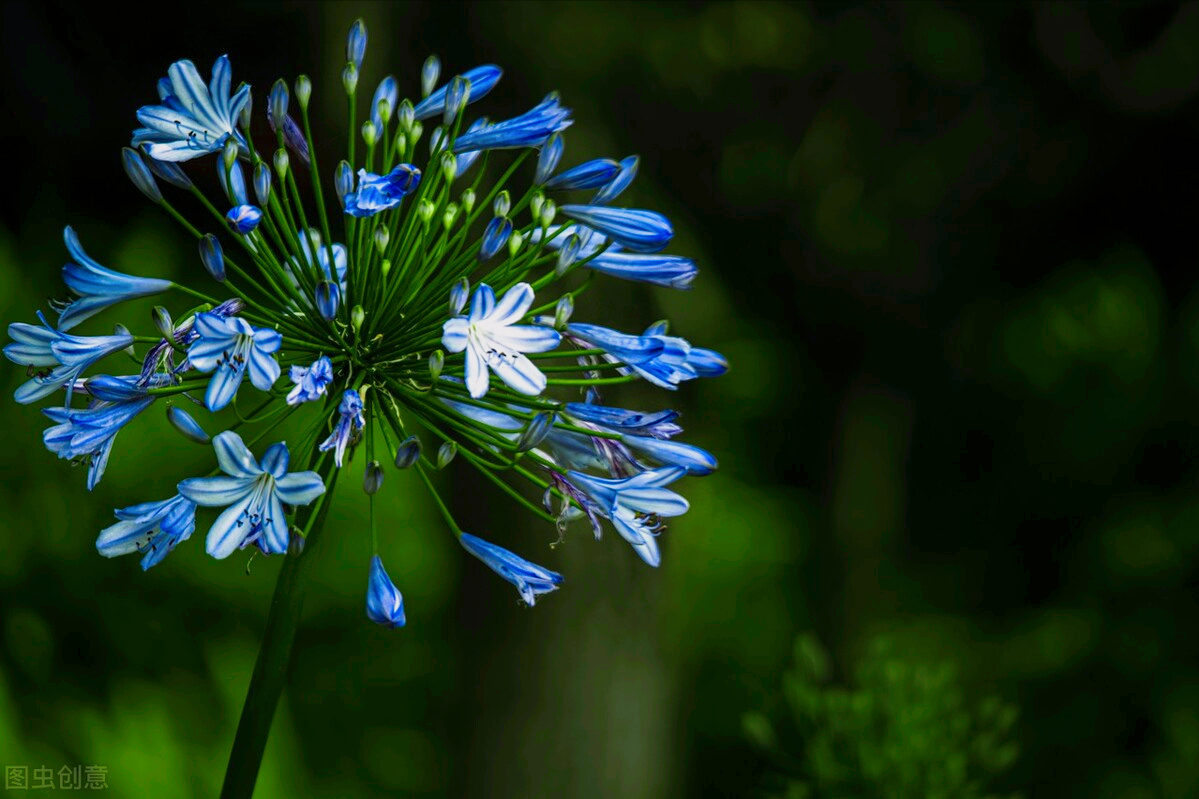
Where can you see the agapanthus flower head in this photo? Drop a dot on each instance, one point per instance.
(391, 290)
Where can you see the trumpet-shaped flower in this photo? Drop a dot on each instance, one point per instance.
(88, 434)
(42, 347)
(482, 80)
(193, 119)
(492, 340)
(529, 578)
(253, 494)
(229, 346)
(531, 129)
(154, 528)
(634, 503)
(96, 286)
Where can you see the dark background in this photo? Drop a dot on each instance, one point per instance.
(949, 251)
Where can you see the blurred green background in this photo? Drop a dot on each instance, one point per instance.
(949, 252)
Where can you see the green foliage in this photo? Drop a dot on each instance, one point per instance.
(906, 731)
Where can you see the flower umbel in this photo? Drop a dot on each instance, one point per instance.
(391, 286)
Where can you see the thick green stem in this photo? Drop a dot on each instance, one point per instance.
(270, 670)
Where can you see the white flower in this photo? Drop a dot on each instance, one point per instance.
(492, 340)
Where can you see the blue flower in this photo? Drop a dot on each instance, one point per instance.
(89, 434)
(41, 347)
(628, 171)
(193, 119)
(588, 175)
(154, 528)
(311, 381)
(663, 360)
(531, 129)
(633, 503)
(529, 578)
(482, 80)
(668, 271)
(254, 493)
(244, 218)
(492, 339)
(634, 229)
(659, 425)
(384, 605)
(98, 287)
(495, 236)
(348, 427)
(381, 192)
(228, 346)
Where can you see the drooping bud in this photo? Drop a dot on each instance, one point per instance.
(182, 421)
(277, 102)
(458, 295)
(169, 171)
(162, 322)
(382, 235)
(282, 162)
(343, 181)
(429, 73)
(568, 253)
(563, 311)
(502, 204)
(262, 183)
(233, 182)
(446, 453)
(495, 236)
(349, 78)
(372, 479)
(408, 452)
(357, 317)
(436, 364)
(303, 91)
(244, 218)
(515, 242)
(535, 431)
(212, 257)
(547, 159)
(328, 297)
(468, 200)
(456, 98)
(140, 174)
(356, 44)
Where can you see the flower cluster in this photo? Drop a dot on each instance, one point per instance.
(426, 304)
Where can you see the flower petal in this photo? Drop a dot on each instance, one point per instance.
(234, 457)
(216, 492)
(229, 529)
(299, 488)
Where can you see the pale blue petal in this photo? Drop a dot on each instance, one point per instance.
(229, 529)
(216, 492)
(299, 488)
(234, 457)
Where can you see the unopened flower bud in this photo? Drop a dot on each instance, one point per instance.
(303, 91)
(408, 452)
(182, 421)
(456, 98)
(372, 479)
(446, 453)
(277, 102)
(429, 74)
(381, 237)
(349, 78)
(458, 295)
(212, 257)
(468, 200)
(140, 174)
(563, 311)
(162, 322)
(535, 431)
(357, 317)
(436, 364)
(282, 162)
